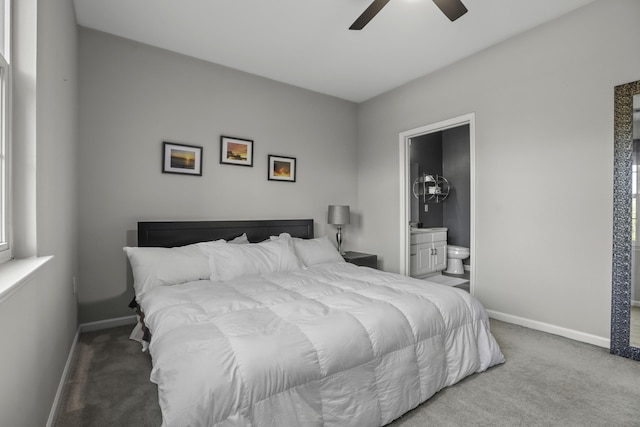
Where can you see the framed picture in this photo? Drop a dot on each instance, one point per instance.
(181, 158)
(282, 168)
(236, 151)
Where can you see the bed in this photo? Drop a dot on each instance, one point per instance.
(259, 323)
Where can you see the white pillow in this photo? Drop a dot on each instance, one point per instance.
(229, 261)
(242, 239)
(314, 251)
(154, 267)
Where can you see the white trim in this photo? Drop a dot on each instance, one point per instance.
(6, 180)
(7, 29)
(53, 413)
(552, 329)
(14, 274)
(108, 323)
(405, 196)
(635, 303)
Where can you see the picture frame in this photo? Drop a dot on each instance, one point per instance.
(236, 151)
(282, 168)
(181, 159)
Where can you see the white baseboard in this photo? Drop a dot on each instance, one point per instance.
(108, 323)
(55, 407)
(635, 303)
(552, 329)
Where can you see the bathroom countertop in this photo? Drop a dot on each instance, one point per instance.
(428, 230)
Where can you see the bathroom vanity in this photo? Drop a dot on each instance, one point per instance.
(428, 251)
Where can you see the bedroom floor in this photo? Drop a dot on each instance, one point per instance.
(546, 380)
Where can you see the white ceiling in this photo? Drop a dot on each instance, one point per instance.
(307, 43)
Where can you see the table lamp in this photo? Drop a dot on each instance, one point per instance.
(339, 215)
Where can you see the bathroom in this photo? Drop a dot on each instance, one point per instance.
(447, 202)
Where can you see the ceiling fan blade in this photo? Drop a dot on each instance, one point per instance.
(454, 9)
(368, 14)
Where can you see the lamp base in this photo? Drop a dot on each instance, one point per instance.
(339, 239)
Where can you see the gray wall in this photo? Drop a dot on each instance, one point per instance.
(426, 150)
(456, 168)
(446, 153)
(38, 321)
(544, 116)
(133, 97)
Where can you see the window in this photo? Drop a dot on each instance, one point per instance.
(5, 229)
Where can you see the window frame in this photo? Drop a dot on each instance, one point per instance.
(6, 230)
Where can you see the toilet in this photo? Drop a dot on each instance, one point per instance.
(455, 255)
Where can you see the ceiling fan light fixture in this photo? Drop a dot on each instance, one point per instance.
(368, 14)
(453, 9)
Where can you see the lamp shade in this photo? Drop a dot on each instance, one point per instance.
(338, 215)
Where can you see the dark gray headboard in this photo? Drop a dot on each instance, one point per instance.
(179, 233)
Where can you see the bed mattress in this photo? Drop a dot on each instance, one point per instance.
(333, 344)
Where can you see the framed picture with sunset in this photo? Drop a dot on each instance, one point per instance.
(282, 168)
(236, 151)
(182, 159)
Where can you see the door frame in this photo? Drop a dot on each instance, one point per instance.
(405, 187)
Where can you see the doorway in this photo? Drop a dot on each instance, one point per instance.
(406, 183)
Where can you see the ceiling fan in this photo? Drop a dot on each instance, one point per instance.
(454, 9)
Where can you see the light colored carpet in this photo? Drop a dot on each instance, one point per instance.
(546, 381)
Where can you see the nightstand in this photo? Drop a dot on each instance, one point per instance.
(361, 259)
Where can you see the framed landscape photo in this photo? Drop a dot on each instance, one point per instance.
(236, 151)
(182, 159)
(282, 168)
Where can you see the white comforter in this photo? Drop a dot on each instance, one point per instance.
(333, 344)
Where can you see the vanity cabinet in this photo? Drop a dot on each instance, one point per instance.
(428, 252)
